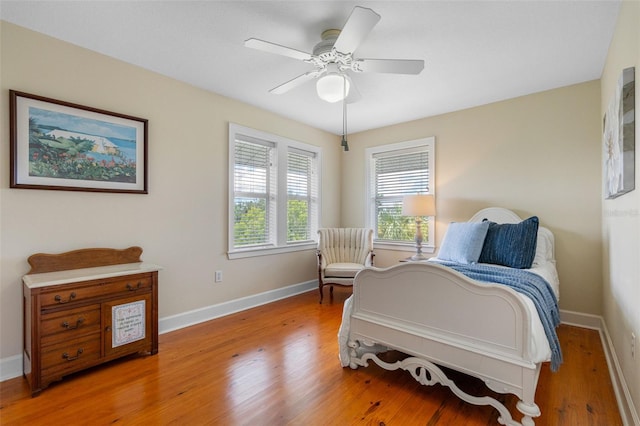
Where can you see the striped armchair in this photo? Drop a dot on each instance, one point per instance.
(342, 253)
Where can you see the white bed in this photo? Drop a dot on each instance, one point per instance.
(439, 317)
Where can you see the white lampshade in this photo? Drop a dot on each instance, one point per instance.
(331, 87)
(419, 205)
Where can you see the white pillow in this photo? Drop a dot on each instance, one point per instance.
(463, 242)
(544, 247)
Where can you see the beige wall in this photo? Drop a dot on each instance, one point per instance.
(621, 217)
(182, 223)
(537, 155)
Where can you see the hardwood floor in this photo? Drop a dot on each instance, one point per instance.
(278, 365)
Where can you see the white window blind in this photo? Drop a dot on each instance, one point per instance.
(301, 195)
(402, 173)
(254, 199)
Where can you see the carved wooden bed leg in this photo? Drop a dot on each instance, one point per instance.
(354, 362)
(529, 410)
(428, 373)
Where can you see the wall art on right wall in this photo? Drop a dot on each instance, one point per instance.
(619, 138)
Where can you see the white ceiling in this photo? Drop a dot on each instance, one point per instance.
(475, 52)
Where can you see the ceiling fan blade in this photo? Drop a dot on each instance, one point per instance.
(394, 66)
(267, 46)
(360, 23)
(292, 84)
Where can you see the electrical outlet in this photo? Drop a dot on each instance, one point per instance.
(633, 345)
(218, 276)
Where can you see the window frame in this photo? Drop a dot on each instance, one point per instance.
(428, 245)
(282, 147)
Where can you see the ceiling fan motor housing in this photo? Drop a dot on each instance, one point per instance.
(324, 48)
(324, 53)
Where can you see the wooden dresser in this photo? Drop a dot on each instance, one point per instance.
(86, 307)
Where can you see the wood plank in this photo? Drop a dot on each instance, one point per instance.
(83, 258)
(278, 364)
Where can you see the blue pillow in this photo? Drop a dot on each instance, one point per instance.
(511, 244)
(463, 242)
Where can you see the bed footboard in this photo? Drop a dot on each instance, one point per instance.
(428, 374)
(439, 317)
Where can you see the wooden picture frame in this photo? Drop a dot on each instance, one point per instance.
(619, 138)
(64, 146)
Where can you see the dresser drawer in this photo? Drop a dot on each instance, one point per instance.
(69, 324)
(65, 294)
(71, 355)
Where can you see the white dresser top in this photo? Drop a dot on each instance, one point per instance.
(74, 275)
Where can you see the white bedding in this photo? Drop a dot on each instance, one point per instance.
(540, 349)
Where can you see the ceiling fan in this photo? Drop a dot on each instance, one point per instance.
(333, 58)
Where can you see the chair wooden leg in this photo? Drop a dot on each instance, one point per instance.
(320, 289)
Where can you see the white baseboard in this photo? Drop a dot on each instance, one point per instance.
(579, 319)
(11, 367)
(628, 411)
(186, 319)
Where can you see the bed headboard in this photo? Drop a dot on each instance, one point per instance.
(546, 240)
(497, 215)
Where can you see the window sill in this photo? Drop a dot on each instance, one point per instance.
(267, 251)
(401, 247)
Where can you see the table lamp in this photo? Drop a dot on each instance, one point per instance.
(419, 205)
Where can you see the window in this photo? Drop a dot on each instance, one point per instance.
(394, 171)
(273, 195)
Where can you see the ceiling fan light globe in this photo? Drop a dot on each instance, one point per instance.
(331, 87)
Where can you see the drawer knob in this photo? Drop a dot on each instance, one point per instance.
(134, 288)
(73, 358)
(72, 327)
(58, 298)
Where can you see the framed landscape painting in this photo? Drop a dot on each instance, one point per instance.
(619, 138)
(64, 146)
